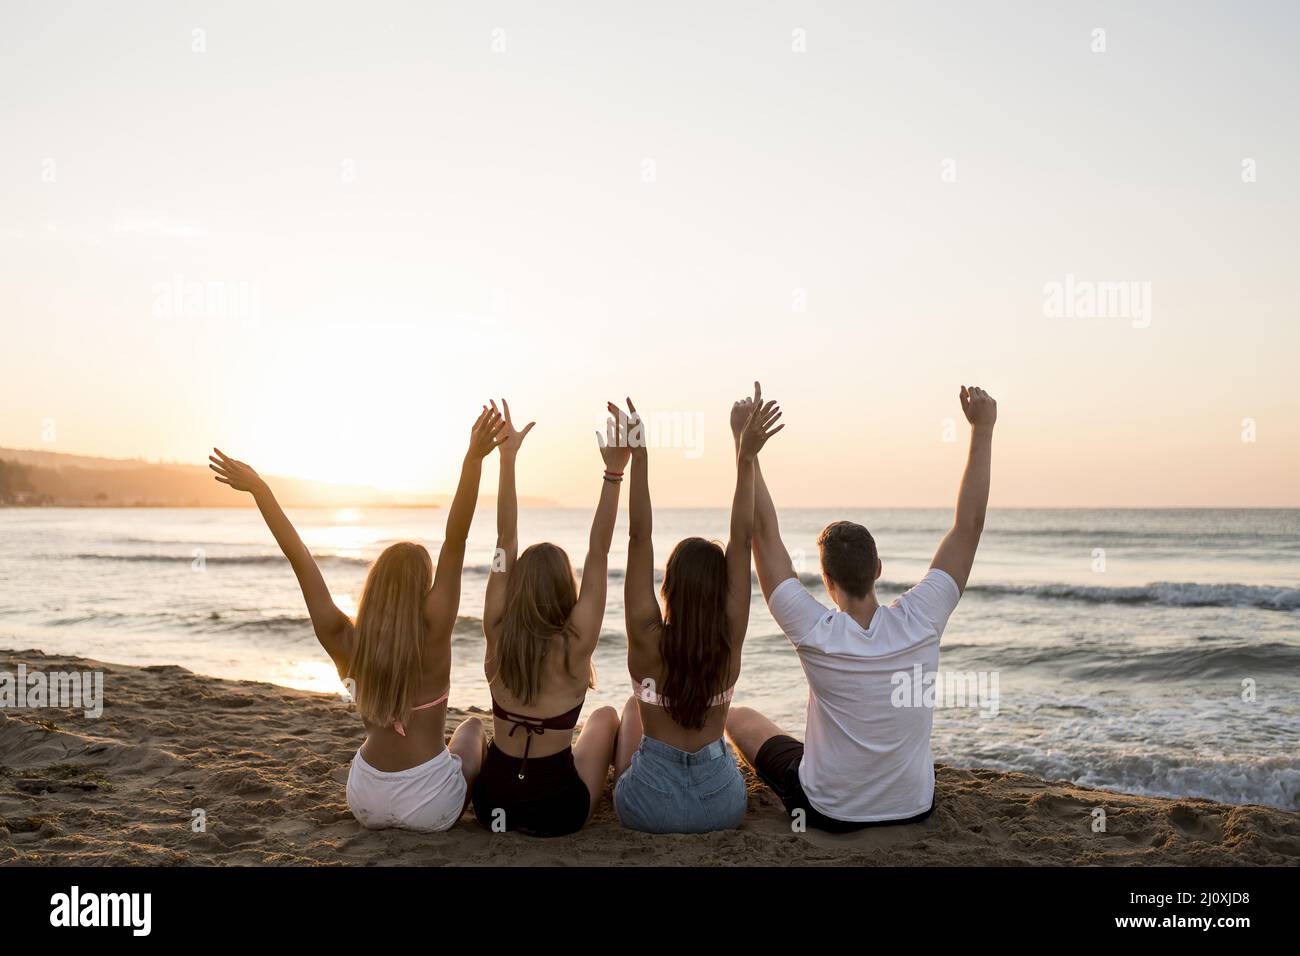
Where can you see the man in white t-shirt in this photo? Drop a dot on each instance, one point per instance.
(866, 761)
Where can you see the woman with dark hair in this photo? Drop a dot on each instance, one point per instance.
(541, 634)
(674, 771)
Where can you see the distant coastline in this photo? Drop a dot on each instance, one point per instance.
(181, 504)
(31, 478)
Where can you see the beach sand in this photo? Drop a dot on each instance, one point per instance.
(268, 767)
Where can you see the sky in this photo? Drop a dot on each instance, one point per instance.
(322, 235)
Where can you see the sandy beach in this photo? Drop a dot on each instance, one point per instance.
(267, 765)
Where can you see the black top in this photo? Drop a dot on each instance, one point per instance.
(535, 725)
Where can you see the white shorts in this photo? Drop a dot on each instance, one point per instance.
(429, 796)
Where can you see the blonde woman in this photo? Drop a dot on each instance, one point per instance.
(396, 655)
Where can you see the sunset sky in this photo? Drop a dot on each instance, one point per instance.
(321, 235)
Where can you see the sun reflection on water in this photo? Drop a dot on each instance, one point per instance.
(314, 675)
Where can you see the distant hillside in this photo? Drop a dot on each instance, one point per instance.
(48, 478)
(30, 477)
(33, 478)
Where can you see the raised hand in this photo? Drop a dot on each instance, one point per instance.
(740, 412)
(487, 432)
(978, 406)
(234, 473)
(614, 445)
(512, 438)
(632, 428)
(758, 426)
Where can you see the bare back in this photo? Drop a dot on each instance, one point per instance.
(387, 750)
(646, 664)
(560, 691)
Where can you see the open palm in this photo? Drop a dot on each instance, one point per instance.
(511, 438)
(234, 473)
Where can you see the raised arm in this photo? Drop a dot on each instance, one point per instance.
(956, 552)
(442, 602)
(590, 610)
(640, 606)
(759, 426)
(771, 558)
(503, 559)
(330, 624)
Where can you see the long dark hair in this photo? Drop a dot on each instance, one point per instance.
(540, 596)
(696, 646)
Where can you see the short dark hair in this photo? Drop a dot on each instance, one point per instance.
(849, 557)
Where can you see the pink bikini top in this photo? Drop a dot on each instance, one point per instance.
(648, 695)
(397, 724)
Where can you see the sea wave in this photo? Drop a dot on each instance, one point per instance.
(290, 623)
(1159, 593)
(213, 622)
(1094, 662)
(248, 559)
(346, 560)
(1270, 781)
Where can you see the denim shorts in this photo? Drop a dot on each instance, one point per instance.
(666, 790)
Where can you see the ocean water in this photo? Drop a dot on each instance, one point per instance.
(1155, 652)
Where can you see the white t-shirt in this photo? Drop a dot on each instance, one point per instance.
(866, 759)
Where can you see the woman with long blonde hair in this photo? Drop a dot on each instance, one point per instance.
(396, 655)
(541, 633)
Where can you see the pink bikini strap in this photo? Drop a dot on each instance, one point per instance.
(434, 703)
(397, 724)
(655, 699)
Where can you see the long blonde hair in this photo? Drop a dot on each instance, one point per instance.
(540, 596)
(388, 656)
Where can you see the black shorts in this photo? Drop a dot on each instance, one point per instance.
(551, 800)
(777, 765)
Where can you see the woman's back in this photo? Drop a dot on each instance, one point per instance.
(560, 691)
(423, 735)
(650, 677)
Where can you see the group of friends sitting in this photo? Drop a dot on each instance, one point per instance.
(863, 760)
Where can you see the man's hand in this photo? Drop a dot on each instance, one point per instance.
(758, 426)
(978, 406)
(740, 412)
